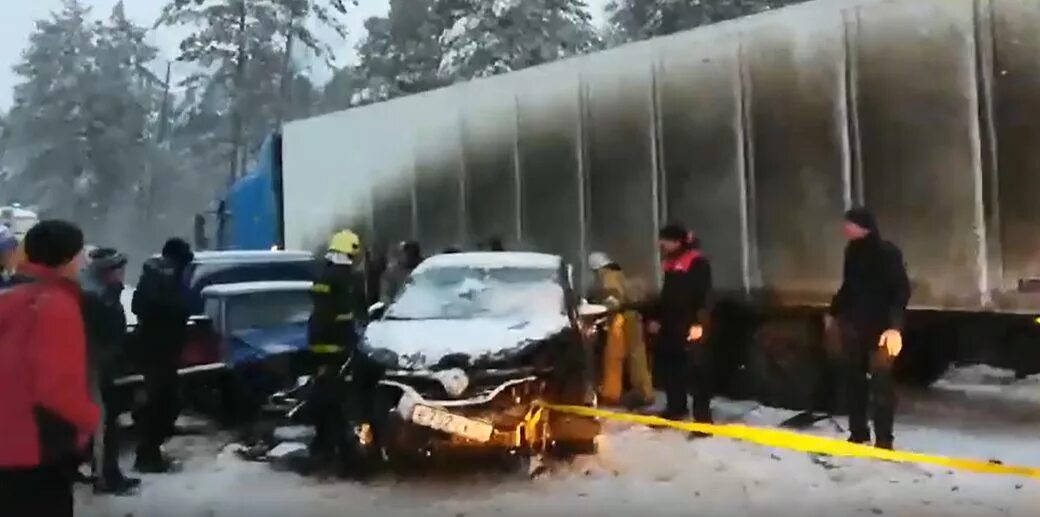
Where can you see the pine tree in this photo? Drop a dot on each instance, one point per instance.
(245, 48)
(642, 19)
(339, 92)
(78, 137)
(489, 37)
(124, 107)
(47, 147)
(401, 53)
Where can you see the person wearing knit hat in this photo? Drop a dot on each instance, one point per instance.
(868, 313)
(105, 321)
(56, 245)
(48, 413)
(679, 318)
(161, 303)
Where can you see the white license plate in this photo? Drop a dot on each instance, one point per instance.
(453, 424)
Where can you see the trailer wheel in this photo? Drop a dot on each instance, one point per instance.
(926, 357)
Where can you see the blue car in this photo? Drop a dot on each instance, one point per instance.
(258, 321)
(232, 267)
(249, 316)
(253, 337)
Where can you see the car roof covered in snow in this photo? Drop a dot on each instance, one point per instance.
(491, 260)
(243, 288)
(219, 257)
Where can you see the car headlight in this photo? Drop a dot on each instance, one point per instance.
(455, 381)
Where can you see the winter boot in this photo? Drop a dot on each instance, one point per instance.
(859, 440)
(154, 462)
(634, 401)
(117, 485)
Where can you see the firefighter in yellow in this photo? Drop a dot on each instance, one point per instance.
(625, 347)
(339, 308)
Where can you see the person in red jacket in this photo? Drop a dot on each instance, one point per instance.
(46, 411)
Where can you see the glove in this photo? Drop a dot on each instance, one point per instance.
(695, 334)
(892, 342)
(653, 328)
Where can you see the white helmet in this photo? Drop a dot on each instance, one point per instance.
(599, 260)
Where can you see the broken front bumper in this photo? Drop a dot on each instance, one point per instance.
(503, 416)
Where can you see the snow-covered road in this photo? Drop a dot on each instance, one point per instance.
(655, 472)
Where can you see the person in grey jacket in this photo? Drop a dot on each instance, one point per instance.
(407, 258)
(105, 325)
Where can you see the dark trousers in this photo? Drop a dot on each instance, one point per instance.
(160, 413)
(861, 357)
(325, 405)
(37, 492)
(686, 371)
(107, 441)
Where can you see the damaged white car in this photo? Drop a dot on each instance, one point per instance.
(465, 354)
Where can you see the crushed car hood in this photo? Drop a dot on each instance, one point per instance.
(422, 344)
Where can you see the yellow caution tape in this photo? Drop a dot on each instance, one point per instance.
(802, 442)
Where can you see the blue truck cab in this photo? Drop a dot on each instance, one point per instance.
(249, 215)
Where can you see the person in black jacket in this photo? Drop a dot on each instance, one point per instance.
(333, 331)
(105, 324)
(869, 310)
(678, 319)
(161, 304)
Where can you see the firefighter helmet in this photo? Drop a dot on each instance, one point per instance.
(345, 242)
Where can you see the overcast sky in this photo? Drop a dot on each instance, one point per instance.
(19, 16)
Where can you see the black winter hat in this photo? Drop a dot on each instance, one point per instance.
(863, 218)
(673, 232)
(53, 243)
(106, 259)
(178, 251)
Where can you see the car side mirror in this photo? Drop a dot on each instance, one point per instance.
(592, 310)
(376, 310)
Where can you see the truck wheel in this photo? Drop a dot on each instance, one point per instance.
(926, 356)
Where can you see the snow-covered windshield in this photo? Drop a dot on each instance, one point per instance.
(267, 309)
(468, 292)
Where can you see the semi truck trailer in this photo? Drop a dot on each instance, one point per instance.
(758, 134)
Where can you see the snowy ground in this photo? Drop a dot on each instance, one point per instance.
(657, 472)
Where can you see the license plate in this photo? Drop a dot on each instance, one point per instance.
(453, 424)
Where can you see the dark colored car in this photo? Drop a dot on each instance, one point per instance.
(242, 301)
(466, 350)
(256, 332)
(233, 267)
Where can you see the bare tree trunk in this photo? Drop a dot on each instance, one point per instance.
(238, 84)
(160, 137)
(285, 98)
